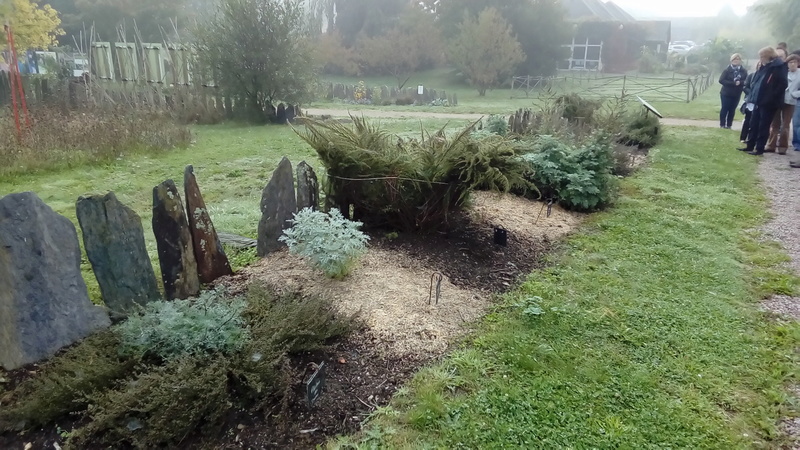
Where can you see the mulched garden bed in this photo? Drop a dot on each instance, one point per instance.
(362, 373)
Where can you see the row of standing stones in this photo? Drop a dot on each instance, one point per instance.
(44, 301)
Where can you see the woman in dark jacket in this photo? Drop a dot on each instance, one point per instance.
(732, 81)
(769, 88)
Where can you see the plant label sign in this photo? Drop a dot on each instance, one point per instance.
(420, 90)
(315, 384)
(649, 107)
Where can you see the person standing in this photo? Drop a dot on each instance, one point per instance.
(779, 129)
(748, 105)
(769, 88)
(732, 81)
(795, 155)
(779, 136)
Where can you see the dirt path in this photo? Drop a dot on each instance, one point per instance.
(388, 114)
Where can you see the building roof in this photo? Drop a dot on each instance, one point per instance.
(596, 10)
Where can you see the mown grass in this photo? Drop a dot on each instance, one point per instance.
(644, 334)
(232, 163)
(504, 100)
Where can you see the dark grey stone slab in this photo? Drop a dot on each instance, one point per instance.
(44, 304)
(278, 205)
(175, 251)
(307, 187)
(114, 241)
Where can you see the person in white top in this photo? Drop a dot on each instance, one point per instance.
(779, 134)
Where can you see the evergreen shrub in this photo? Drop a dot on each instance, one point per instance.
(642, 130)
(580, 178)
(211, 323)
(410, 184)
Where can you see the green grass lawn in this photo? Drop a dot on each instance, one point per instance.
(644, 333)
(662, 92)
(705, 107)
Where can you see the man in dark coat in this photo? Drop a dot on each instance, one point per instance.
(769, 88)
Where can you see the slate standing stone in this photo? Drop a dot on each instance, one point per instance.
(175, 252)
(44, 304)
(212, 262)
(307, 187)
(280, 114)
(292, 111)
(114, 241)
(278, 204)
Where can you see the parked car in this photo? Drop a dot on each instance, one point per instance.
(679, 49)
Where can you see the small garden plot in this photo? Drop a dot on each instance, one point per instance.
(393, 288)
(242, 381)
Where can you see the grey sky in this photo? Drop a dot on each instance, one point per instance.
(681, 8)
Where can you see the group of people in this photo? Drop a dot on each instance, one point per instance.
(771, 92)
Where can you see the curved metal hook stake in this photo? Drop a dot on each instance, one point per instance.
(436, 278)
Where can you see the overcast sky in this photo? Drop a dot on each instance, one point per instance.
(681, 8)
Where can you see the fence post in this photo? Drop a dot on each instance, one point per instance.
(688, 90)
(624, 82)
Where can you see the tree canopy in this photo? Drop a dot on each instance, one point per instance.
(784, 18)
(153, 18)
(485, 50)
(33, 26)
(257, 52)
(539, 26)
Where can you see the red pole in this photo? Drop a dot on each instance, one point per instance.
(19, 79)
(13, 68)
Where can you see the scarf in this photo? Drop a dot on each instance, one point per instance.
(737, 72)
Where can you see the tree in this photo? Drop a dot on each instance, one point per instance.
(414, 43)
(257, 52)
(33, 26)
(366, 17)
(539, 26)
(333, 57)
(485, 50)
(153, 18)
(784, 17)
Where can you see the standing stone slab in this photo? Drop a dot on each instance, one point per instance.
(278, 204)
(114, 241)
(212, 262)
(44, 304)
(307, 187)
(175, 252)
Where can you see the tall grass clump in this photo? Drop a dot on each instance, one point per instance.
(58, 139)
(409, 184)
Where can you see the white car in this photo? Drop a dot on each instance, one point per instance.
(679, 49)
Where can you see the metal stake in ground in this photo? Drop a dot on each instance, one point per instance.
(436, 281)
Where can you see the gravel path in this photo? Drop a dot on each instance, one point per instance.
(783, 189)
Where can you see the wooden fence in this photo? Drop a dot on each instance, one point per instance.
(191, 103)
(385, 95)
(601, 86)
(662, 89)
